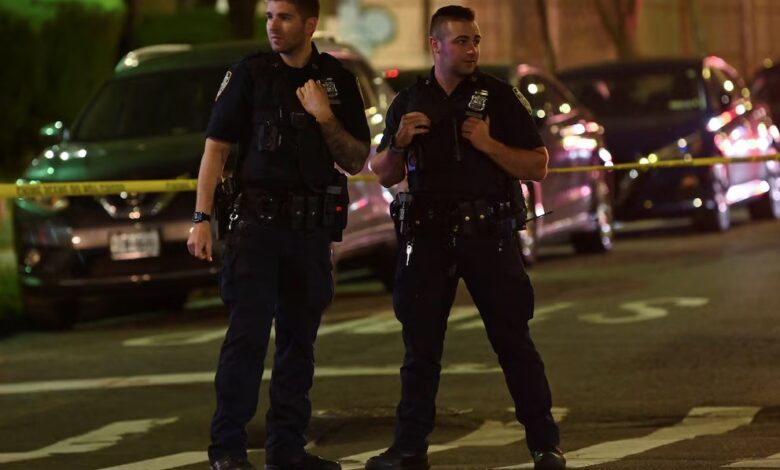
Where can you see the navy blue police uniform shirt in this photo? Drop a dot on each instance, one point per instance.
(231, 116)
(511, 122)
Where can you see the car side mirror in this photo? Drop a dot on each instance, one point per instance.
(53, 133)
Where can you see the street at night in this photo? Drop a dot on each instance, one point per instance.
(661, 355)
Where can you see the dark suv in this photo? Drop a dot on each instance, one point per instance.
(148, 122)
(682, 109)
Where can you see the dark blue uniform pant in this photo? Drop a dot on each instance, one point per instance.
(270, 273)
(424, 292)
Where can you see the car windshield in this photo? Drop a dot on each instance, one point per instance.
(152, 105)
(639, 92)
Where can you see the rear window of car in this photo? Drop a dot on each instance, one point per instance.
(160, 104)
(639, 92)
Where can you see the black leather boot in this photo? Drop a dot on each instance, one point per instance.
(393, 459)
(549, 460)
(305, 461)
(232, 463)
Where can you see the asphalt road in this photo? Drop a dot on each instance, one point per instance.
(664, 354)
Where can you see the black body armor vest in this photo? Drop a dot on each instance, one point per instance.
(442, 162)
(287, 151)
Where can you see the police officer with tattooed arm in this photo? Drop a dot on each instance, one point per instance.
(294, 112)
(462, 140)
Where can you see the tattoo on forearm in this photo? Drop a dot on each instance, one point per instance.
(347, 151)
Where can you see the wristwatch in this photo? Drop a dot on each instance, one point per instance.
(394, 148)
(199, 217)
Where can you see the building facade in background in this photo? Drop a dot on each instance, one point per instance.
(393, 33)
(741, 31)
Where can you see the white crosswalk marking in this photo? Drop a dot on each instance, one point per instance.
(92, 441)
(699, 422)
(490, 434)
(704, 421)
(773, 461)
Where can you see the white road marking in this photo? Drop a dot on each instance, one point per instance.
(643, 310)
(699, 422)
(773, 461)
(383, 322)
(490, 434)
(92, 441)
(172, 461)
(181, 338)
(208, 377)
(540, 314)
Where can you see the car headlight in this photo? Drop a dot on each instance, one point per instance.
(44, 204)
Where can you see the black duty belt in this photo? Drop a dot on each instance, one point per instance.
(298, 211)
(415, 214)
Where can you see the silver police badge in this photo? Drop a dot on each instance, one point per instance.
(478, 104)
(330, 88)
(478, 101)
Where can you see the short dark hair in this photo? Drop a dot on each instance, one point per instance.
(448, 13)
(306, 8)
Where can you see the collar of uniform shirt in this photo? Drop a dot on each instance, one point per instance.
(476, 77)
(314, 60)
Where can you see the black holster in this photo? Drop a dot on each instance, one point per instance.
(518, 211)
(400, 212)
(335, 207)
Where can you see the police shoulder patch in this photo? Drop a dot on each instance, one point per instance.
(523, 100)
(224, 84)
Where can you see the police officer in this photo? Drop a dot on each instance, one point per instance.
(462, 139)
(294, 113)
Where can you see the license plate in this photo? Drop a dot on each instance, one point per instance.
(135, 245)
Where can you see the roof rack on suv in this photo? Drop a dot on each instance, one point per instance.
(135, 57)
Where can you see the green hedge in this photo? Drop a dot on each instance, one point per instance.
(60, 51)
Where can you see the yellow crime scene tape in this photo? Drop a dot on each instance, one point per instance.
(100, 188)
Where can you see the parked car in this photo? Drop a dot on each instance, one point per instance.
(578, 205)
(148, 122)
(682, 109)
(400, 79)
(766, 88)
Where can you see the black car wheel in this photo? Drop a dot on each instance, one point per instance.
(48, 314)
(715, 214)
(600, 239)
(768, 207)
